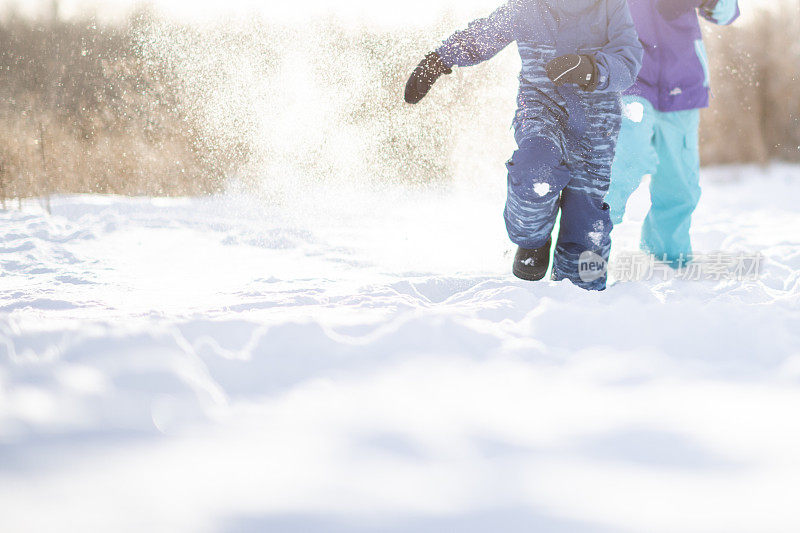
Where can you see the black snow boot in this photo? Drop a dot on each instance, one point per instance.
(531, 265)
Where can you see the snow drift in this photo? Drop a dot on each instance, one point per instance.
(363, 361)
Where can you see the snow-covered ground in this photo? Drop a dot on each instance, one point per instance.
(365, 362)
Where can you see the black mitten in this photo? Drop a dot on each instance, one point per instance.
(424, 76)
(580, 70)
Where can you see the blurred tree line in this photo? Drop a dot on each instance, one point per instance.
(82, 109)
(157, 108)
(755, 70)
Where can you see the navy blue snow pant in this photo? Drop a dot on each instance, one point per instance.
(566, 139)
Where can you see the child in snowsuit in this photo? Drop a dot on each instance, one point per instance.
(659, 131)
(577, 57)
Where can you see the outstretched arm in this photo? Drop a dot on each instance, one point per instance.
(483, 39)
(619, 61)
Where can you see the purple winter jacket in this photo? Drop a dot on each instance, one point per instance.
(674, 74)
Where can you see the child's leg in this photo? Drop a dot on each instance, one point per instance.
(584, 242)
(585, 231)
(675, 187)
(635, 155)
(536, 176)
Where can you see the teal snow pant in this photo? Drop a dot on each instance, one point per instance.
(664, 145)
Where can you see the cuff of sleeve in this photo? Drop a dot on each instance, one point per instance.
(448, 54)
(720, 11)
